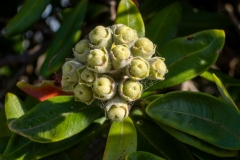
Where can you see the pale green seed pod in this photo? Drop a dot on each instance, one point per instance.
(86, 76)
(130, 90)
(138, 69)
(123, 34)
(120, 56)
(98, 61)
(83, 93)
(157, 68)
(81, 50)
(70, 68)
(104, 88)
(67, 85)
(116, 109)
(101, 37)
(144, 48)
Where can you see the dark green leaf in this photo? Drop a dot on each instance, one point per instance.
(55, 119)
(153, 139)
(65, 38)
(3, 143)
(129, 15)
(122, 140)
(226, 80)
(163, 27)
(27, 16)
(200, 115)
(4, 131)
(142, 156)
(189, 56)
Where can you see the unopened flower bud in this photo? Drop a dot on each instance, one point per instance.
(82, 50)
(67, 85)
(144, 48)
(116, 109)
(138, 69)
(98, 61)
(101, 37)
(130, 90)
(70, 68)
(120, 56)
(157, 68)
(123, 34)
(86, 76)
(83, 93)
(104, 88)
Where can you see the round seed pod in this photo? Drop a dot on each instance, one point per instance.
(83, 93)
(130, 90)
(82, 50)
(67, 85)
(101, 37)
(116, 109)
(70, 68)
(120, 56)
(123, 34)
(104, 88)
(98, 61)
(138, 69)
(86, 76)
(157, 68)
(144, 48)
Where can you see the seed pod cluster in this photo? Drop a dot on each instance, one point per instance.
(109, 65)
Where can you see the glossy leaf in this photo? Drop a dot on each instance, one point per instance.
(23, 148)
(153, 139)
(224, 93)
(200, 115)
(30, 12)
(122, 140)
(198, 143)
(128, 14)
(164, 25)
(226, 80)
(4, 131)
(142, 155)
(65, 39)
(189, 56)
(43, 91)
(55, 119)
(14, 107)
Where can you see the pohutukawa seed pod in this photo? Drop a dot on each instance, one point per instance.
(144, 48)
(98, 61)
(83, 93)
(82, 50)
(101, 37)
(138, 69)
(157, 68)
(122, 34)
(67, 85)
(86, 76)
(70, 68)
(120, 56)
(104, 88)
(116, 109)
(130, 90)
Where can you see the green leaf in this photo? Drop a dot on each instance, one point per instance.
(2, 157)
(59, 156)
(153, 139)
(3, 143)
(200, 115)
(227, 80)
(26, 17)
(23, 148)
(122, 140)
(14, 107)
(140, 155)
(189, 56)
(55, 119)
(65, 38)
(224, 93)
(128, 14)
(5, 132)
(198, 143)
(164, 26)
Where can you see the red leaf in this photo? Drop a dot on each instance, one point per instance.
(43, 91)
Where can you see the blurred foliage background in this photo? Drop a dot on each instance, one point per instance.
(38, 50)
